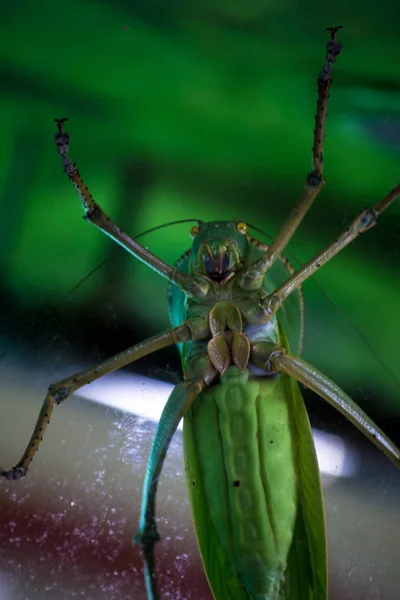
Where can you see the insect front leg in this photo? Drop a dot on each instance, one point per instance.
(314, 181)
(199, 373)
(93, 213)
(58, 392)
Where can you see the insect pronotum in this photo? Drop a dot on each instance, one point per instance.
(236, 315)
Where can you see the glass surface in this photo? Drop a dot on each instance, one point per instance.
(179, 110)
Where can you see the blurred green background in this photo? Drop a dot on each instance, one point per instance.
(195, 109)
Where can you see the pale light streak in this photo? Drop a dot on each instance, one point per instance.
(146, 397)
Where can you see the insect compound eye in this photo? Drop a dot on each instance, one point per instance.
(241, 227)
(194, 231)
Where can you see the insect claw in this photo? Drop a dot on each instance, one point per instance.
(62, 138)
(60, 122)
(13, 475)
(334, 30)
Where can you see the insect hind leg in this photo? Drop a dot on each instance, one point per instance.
(183, 395)
(199, 372)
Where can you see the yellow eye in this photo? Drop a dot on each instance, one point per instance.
(194, 231)
(241, 227)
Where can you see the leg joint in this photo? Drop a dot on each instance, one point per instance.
(57, 394)
(314, 180)
(263, 354)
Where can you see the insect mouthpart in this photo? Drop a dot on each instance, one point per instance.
(218, 267)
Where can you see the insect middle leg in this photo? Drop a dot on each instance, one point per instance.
(58, 392)
(365, 221)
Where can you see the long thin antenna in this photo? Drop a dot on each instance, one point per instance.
(44, 324)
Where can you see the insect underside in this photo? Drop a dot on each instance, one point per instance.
(236, 311)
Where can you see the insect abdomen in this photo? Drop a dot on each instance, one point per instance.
(242, 479)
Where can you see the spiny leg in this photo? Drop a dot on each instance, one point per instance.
(365, 221)
(314, 181)
(178, 403)
(59, 392)
(199, 372)
(299, 369)
(273, 358)
(98, 217)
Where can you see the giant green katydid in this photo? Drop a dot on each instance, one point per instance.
(252, 474)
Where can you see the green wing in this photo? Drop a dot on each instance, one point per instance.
(218, 567)
(305, 569)
(306, 572)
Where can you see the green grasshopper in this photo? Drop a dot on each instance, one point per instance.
(237, 315)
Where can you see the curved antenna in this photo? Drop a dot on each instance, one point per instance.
(198, 221)
(341, 314)
(135, 237)
(45, 323)
(260, 231)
